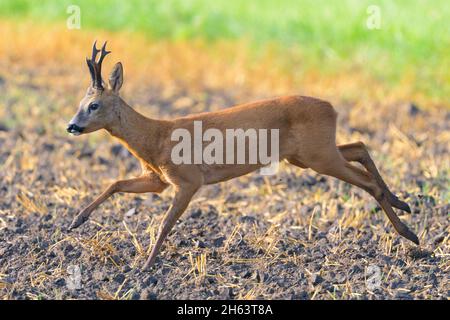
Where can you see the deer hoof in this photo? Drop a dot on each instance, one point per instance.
(408, 234)
(77, 221)
(397, 203)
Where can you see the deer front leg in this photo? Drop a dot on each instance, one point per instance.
(145, 183)
(182, 198)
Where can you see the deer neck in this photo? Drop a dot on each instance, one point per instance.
(139, 134)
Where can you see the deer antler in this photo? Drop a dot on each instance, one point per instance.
(95, 68)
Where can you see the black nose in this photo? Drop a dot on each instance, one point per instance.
(69, 128)
(74, 128)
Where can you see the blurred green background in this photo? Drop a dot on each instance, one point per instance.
(414, 38)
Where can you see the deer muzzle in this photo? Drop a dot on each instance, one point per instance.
(74, 129)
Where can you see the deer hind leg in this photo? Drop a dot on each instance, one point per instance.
(335, 165)
(145, 183)
(358, 152)
(297, 163)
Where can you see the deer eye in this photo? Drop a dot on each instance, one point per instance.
(93, 106)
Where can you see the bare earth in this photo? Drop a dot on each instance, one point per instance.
(296, 235)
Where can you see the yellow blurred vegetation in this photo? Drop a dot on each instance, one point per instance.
(223, 64)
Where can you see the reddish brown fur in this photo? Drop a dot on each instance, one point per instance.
(307, 139)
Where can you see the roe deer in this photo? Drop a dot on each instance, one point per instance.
(307, 128)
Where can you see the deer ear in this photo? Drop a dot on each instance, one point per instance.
(116, 77)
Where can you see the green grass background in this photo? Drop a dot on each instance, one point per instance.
(414, 37)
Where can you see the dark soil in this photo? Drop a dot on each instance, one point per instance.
(296, 235)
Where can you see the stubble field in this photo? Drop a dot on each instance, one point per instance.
(295, 235)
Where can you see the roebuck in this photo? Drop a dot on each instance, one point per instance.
(307, 128)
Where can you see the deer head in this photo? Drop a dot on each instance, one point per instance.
(99, 107)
